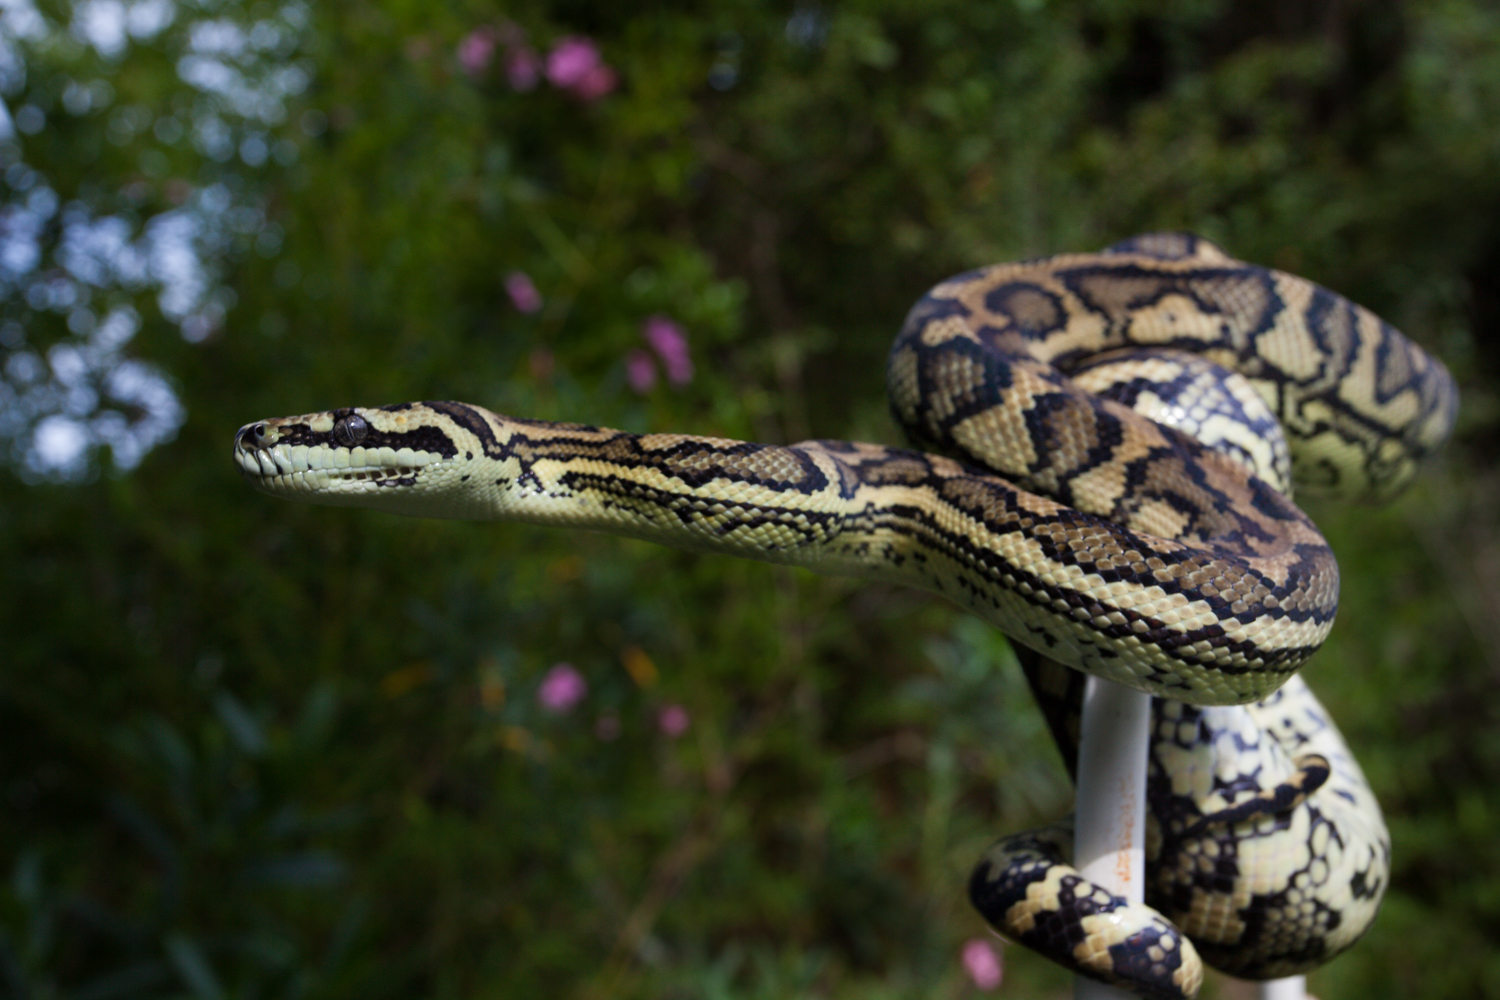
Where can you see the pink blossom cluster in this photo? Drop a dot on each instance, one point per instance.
(673, 720)
(522, 292)
(669, 342)
(477, 49)
(982, 963)
(573, 64)
(562, 689)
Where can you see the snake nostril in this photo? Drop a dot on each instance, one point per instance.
(251, 435)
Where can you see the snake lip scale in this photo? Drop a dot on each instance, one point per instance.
(1109, 445)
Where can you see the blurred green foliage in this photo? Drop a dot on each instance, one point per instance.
(252, 749)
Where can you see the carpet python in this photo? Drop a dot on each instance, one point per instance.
(1108, 445)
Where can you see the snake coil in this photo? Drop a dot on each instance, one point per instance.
(1109, 446)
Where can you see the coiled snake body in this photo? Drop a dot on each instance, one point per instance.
(1098, 538)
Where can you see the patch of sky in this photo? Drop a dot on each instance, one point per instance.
(64, 402)
(57, 410)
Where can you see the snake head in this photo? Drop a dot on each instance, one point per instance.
(383, 458)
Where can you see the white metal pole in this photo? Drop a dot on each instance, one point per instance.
(1109, 840)
(1290, 988)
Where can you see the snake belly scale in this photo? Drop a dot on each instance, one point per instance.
(1095, 536)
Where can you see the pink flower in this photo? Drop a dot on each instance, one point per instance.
(596, 83)
(561, 689)
(571, 59)
(523, 68)
(670, 344)
(640, 371)
(983, 963)
(673, 720)
(522, 292)
(574, 65)
(476, 50)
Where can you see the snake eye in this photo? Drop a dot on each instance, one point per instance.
(351, 430)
